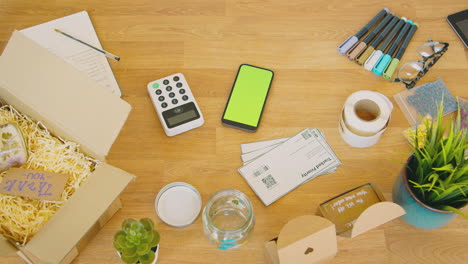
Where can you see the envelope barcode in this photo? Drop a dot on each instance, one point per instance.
(306, 134)
(260, 170)
(269, 181)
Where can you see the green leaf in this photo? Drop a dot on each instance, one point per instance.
(448, 167)
(117, 246)
(455, 210)
(434, 178)
(448, 195)
(147, 223)
(421, 189)
(448, 180)
(147, 258)
(129, 251)
(461, 200)
(444, 153)
(156, 239)
(461, 174)
(129, 244)
(148, 237)
(462, 190)
(137, 227)
(119, 240)
(143, 249)
(129, 260)
(144, 234)
(126, 225)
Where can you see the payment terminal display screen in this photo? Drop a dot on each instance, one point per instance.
(248, 96)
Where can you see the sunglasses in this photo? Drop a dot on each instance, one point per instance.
(411, 72)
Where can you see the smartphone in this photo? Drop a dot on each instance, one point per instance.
(459, 23)
(248, 96)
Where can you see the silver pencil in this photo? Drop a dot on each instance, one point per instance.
(108, 54)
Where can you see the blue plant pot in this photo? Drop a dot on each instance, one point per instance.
(417, 213)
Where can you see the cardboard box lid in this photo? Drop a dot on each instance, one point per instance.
(271, 252)
(65, 229)
(46, 88)
(374, 216)
(307, 239)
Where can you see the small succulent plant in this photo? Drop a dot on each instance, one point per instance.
(135, 240)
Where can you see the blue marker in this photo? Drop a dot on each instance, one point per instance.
(384, 60)
(377, 53)
(388, 72)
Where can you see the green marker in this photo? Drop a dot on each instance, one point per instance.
(388, 73)
(385, 59)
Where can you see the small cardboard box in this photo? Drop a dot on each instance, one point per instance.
(360, 209)
(303, 240)
(72, 106)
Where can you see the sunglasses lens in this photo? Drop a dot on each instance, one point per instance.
(410, 70)
(430, 48)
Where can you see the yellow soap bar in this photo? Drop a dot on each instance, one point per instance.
(13, 151)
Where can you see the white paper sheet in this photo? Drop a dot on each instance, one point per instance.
(82, 57)
(252, 146)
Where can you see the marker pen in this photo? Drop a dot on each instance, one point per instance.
(363, 57)
(377, 55)
(349, 42)
(358, 49)
(386, 58)
(387, 74)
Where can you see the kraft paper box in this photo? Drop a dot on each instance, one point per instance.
(303, 240)
(72, 106)
(359, 210)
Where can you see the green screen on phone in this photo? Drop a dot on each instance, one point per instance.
(248, 95)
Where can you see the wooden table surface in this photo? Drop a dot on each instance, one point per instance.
(207, 40)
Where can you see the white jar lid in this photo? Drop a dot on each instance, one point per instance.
(178, 204)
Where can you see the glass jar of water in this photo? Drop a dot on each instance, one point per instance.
(228, 219)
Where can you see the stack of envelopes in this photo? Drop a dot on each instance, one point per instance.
(275, 167)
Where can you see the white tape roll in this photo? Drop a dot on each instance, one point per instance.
(356, 140)
(367, 112)
(364, 118)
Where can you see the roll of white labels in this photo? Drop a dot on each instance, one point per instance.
(364, 118)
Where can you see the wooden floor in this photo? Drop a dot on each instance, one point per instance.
(207, 40)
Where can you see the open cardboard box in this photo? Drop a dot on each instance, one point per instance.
(72, 106)
(365, 218)
(312, 239)
(303, 240)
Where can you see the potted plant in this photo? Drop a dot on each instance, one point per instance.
(433, 184)
(137, 242)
